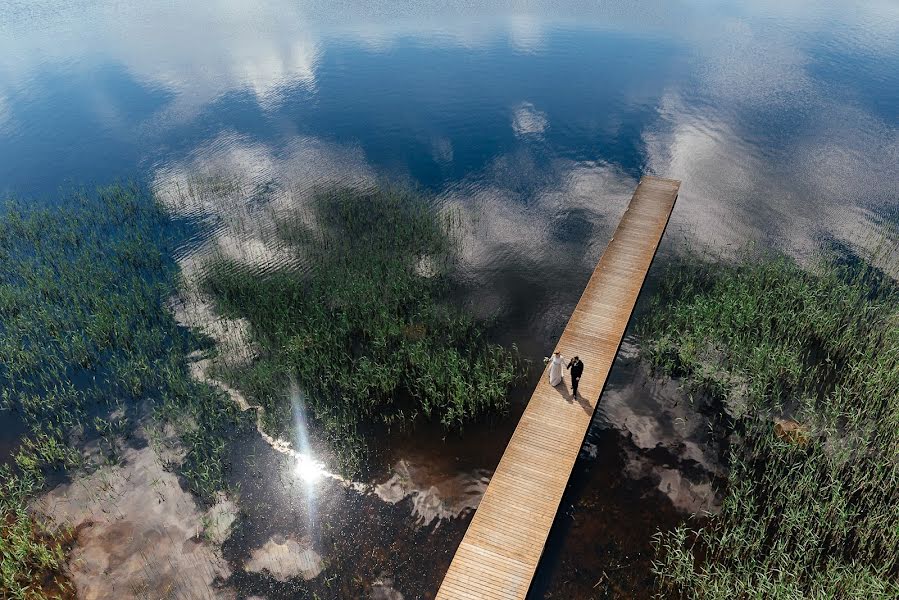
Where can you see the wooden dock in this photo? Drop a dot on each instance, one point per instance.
(499, 553)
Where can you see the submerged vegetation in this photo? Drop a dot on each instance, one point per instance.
(90, 348)
(87, 347)
(361, 319)
(814, 513)
(32, 553)
(366, 328)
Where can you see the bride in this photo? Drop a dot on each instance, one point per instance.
(555, 368)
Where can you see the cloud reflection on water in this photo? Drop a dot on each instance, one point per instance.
(749, 62)
(197, 51)
(768, 148)
(528, 121)
(825, 184)
(200, 52)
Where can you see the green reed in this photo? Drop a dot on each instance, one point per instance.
(87, 347)
(368, 327)
(810, 518)
(31, 554)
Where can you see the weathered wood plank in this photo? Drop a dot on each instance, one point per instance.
(500, 551)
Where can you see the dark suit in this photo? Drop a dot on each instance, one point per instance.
(577, 369)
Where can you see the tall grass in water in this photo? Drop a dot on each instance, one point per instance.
(85, 345)
(367, 329)
(31, 554)
(815, 514)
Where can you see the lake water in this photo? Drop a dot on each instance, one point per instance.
(781, 119)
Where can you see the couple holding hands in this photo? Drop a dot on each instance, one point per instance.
(555, 370)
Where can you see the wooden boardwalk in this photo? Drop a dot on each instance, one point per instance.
(500, 550)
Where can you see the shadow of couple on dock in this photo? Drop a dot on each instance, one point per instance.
(570, 398)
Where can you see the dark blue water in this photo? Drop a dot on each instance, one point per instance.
(433, 113)
(781, 118)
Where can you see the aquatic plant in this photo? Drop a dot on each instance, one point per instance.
(809, 511)
(366, 326)
(88, 347)
(31, 554)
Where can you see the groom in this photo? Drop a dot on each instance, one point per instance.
(577, 369)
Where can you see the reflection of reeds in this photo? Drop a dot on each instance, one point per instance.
(812, 515)
(366, 327)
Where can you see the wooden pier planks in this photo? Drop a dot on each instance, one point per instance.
(500, 551)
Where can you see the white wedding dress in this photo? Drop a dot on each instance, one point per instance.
(555, 370)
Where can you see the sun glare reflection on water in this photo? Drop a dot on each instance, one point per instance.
(307, 467)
